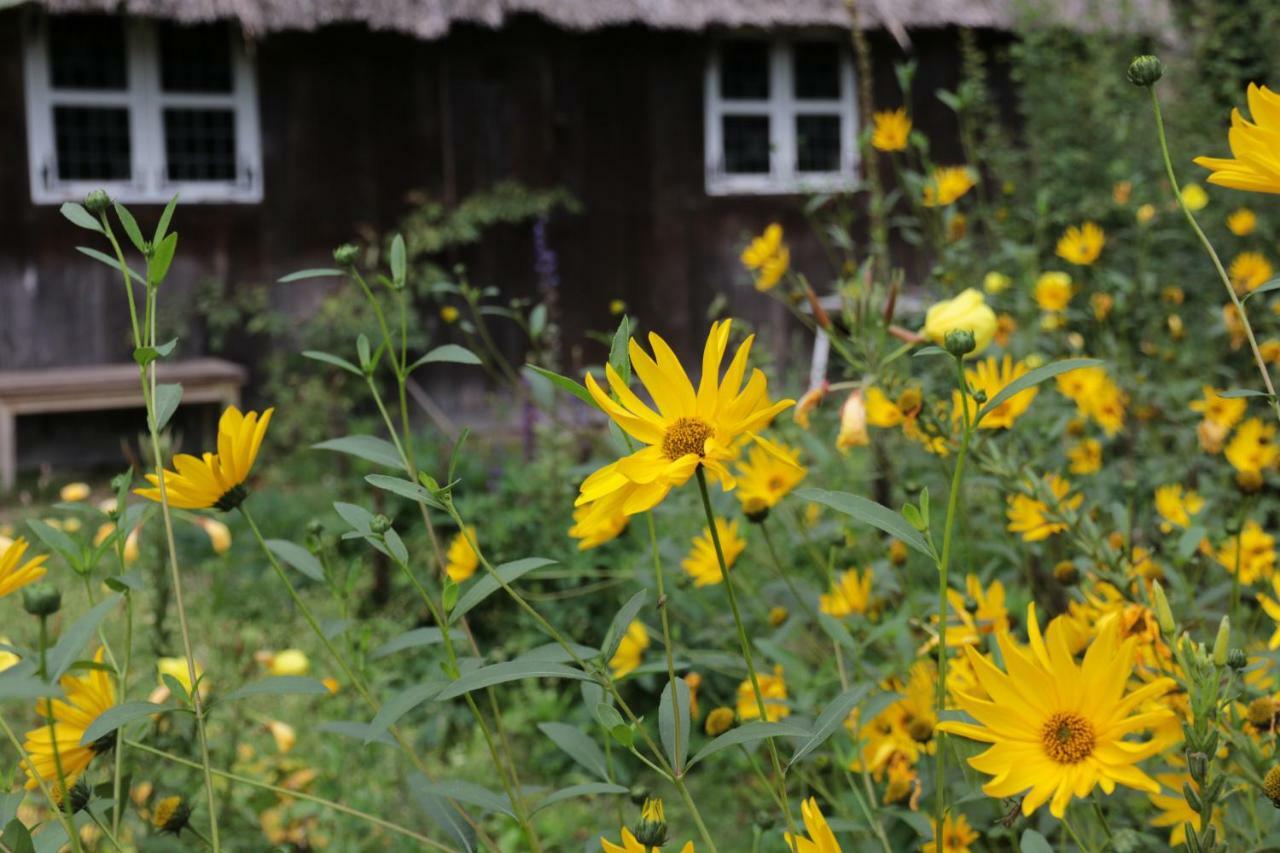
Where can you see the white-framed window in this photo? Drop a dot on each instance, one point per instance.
(142, 109)
(781, 116)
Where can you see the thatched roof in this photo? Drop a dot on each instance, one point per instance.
(432, 18)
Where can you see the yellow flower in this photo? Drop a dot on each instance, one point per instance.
(1121, 192)
(1269, 604)
(1194, 196)
(1053, 291)
(1242, 222)
(767, 476)
(702, 564)
(219, 534)
(774, 690)
(73, 492)
(980, 612)
(768, 257)
(719, 721)
(1252, 449)
(598, 523)
(15, 574)
(1175, 811)
(1223, 411)
(777, 615)
(903, 732)
(617, 306)
(957, 835)
(1085, 456)
(990, 377)
(1027, 515)
(1173, 295)
(450, 314)
(217, 479)
(690, 429)
(821, 839)
(946, 185)
(1145, 213)
(1254, 164)
(283, 734)
(1096, 396)
(996, 282)
(1270, 350)
(891, 130)
(176, 668)
(87, 697)
(630, 649)
(968, 310)
(1174, 322)
(1256, 553)
(462, 560)
(289, 662)
(171, 815)
(850, 593)
(630, 845)
(1081, 244)
(1249, 271)
(853, 422)
(1176, 507)
(7, 658)
(1058, 729)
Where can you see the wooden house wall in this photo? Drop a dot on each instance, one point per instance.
(352, 120)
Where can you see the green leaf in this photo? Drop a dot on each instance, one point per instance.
(621, 621)
(869, 512)
(162, 227)
(928, 351)
(298, 557)
(451, 353)
(354, 729)
(58, 541)
(1033, 378)
(667, 723)
(357, 516)
(442, 812)
(162, 258)
(832, 718)
(408, 640)
(73, 640)
(120, 715)
(471, 794)
(312, 273)
(398, 260)
(282, 685)
(336, 361)
(404, 489)
(366, 447)
(77, 215)
(1190, 541)
(168, 397)
(487, 585)
(1269, 287)
(111, 262)
(145, 355)
(16, 838)
(619, 353)
(749, 733)
(26, 687)
(1242, 392)
(577, 746)
(583, 790)
(564, 383)
(130, 227)
(399, 705)
(501, 673)
(1034, 842)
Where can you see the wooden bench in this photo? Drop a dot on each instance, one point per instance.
(102, 386)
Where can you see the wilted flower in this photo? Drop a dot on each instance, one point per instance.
(1102, 303)
(853, 422)
(809, 401)
(219, 534)
(1121, 191)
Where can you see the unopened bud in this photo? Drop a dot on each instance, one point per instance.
(1198, 766)
(960, 342)
(1237, 659)
(41, 599)
(346, 254)
(1145, 70)
(651, 831)
(1164, 616)
(97, 202)
(1222, 643)
(171, 815)
(379, 524)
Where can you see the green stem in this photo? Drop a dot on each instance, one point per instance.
(298, 795)
(745, 643)
(122, 690)
(63, 788)
(1213, 255)
(63, 817)
(666, 638)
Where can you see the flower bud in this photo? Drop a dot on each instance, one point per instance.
(1198, 766)
(1237, 659)
(1222, 643)
(171, 815)
(346, 254)
(1271, 785)
(1145, 70)
(1066, 573)
(651, 831)
(379, 524)
(41, 599)
(960, 342)
(1164, 616)
(79, 797)
(97, 202)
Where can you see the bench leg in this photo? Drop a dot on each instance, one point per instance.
(8, 450)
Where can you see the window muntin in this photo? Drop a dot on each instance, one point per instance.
(142, 109)
(780, 116)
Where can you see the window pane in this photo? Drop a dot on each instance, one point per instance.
(817, 70)
(92, 143)
(746, 144)
(87, 52)
(195, 59)
(817, 143)
(200, 145)
(744, 70)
